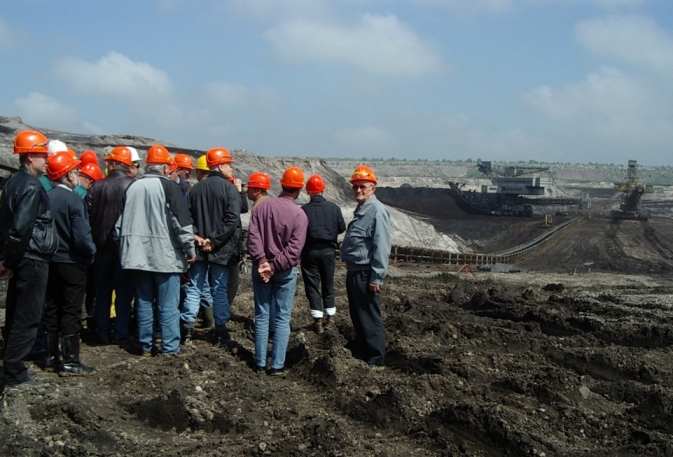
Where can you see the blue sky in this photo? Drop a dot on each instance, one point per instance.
(549, 80)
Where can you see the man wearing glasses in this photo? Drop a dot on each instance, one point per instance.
(365, 250)
(134, 169)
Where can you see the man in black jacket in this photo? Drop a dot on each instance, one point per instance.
(215, 205)
(27, 241)
(68, 268)
(318, 258)
(104, 203)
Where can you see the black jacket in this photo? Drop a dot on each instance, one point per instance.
(75, 244)
(104, 204)
(325, 223)
(24, 220)
(215, 205)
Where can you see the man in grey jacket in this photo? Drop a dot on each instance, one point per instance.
(366, 249)
(157, 241)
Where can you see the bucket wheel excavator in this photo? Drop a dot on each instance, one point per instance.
(633, 190)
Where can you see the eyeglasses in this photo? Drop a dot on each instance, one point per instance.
(360, 186)
(135, 165)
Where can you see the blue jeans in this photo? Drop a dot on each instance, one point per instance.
(276, 295)
(164, 288)
(204, 276)
(108, 275)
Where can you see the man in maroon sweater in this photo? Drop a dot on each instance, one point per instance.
(276, 237)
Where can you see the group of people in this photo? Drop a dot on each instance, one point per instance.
(72, 235)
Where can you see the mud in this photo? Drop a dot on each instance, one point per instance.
(485, 365)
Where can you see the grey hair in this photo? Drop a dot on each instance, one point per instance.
(155, 168)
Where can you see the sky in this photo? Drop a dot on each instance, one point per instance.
(572, 81)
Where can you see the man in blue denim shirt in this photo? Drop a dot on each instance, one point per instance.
(365, 250)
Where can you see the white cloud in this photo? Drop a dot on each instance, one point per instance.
(378, 45)
(469, 6)
(274, 9)
(606, 97)
(501, 6)
(239, 96)
(116, 76)
(44, 111)
(367, 138)
(637, 40)
(609, 116)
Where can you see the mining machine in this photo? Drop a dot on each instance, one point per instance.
(511, 193)
(508, 172)
(504, 196)
(633, 190)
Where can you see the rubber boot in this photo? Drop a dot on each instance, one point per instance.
(208, 321)
(71, 365)
(51, 351)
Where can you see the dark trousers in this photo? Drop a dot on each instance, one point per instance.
(365, 310)
(317, 269)
(65, 295)
(90, 293)
(234, 279)
(108, 275)
(25, 299)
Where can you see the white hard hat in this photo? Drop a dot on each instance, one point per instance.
(134, 154)
(54, 146)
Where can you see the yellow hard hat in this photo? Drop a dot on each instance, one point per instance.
(202, 163)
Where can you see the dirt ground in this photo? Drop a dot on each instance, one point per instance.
(487, 365)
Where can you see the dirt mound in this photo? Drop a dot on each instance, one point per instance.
(490, 365)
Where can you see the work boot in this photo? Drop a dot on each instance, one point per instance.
(317, 326)
(187, 335)
(51, 351)
(329, 323)
(208, 320)
(71, 365)
(222, 337)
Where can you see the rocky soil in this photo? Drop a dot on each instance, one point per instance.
(486, 365)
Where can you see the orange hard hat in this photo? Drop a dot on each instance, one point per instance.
(30, 142)
(315, 184)
(158, 155)
(293, 178)
(363, 173)
(259, 180)
(89, 157)
(217, 156)
(184, 161)
(91, 170)
(61, 163)
(119, 154)
(173, 166)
